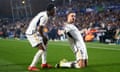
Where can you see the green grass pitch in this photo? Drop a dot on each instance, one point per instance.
(16, 55)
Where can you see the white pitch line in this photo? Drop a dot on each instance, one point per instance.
(93, 47)
(104, 48)
(87, 46)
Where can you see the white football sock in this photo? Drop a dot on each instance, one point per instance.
(44, 57)
(66, 64)
(70, 64)
(76, 65)
(36, 57)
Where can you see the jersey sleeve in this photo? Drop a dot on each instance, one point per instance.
(42, 21)
(68, 28)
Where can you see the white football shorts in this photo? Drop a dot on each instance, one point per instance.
(34, 39)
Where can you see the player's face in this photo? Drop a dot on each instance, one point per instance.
(53, 12)
(71, 17)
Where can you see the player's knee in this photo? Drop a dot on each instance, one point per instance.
(81, 63)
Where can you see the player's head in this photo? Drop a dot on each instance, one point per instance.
(71, 17)
(51, 9)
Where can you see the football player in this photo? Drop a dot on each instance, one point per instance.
(37, 39)
(77, 44)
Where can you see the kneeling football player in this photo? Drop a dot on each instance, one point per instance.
(77, 44)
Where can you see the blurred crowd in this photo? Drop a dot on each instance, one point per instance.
(13, 30)
(96, 20)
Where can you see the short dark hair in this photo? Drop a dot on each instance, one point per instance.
(50, 7)
(69, 11)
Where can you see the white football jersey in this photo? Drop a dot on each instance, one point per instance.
(76, 41)
(39, 20)
(70, 27)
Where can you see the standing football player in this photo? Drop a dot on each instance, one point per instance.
(37, 39)
(77, 44)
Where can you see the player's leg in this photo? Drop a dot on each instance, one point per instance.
(35, 60)
(35, 41)
(64, 63)
(86, 57)
(67, 64)
(45, 40)
(84, 49)
(44, 60)
(80, 60)
(80, 63)
(43, 46)
(81, 55)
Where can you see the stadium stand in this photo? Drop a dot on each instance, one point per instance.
(91, 14)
